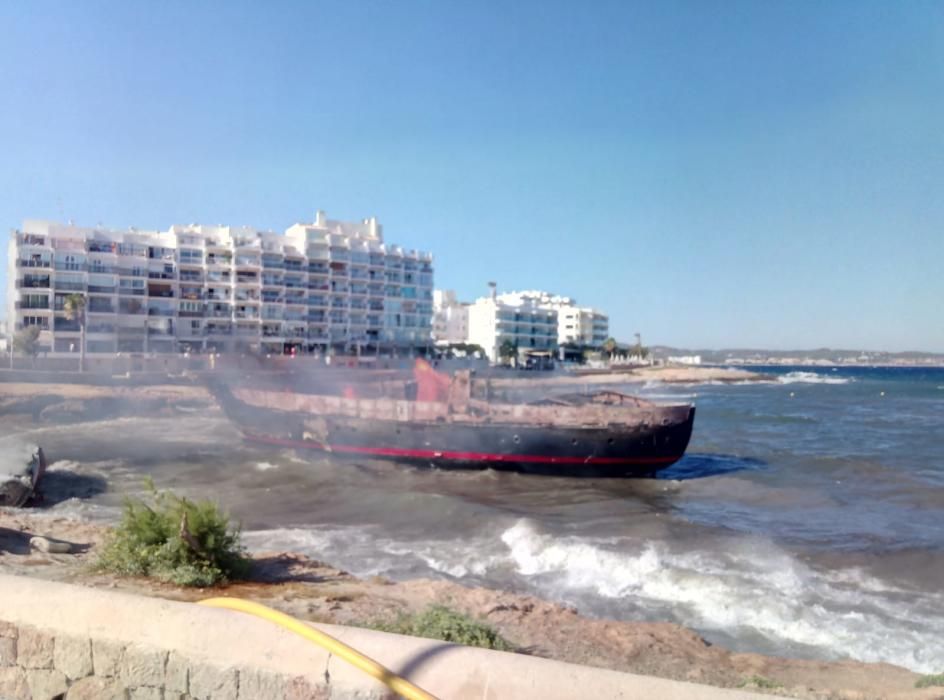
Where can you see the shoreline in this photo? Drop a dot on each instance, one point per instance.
(318, 592)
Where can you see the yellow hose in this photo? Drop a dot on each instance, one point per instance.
(396, 683)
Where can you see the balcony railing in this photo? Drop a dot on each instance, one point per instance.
(132, 272)
(98, 289)
(33, 263)
(69, 286)
(162, 312)
(132, 291)
(42, 283)
(26, 305)
(158, 275)
(101, 309)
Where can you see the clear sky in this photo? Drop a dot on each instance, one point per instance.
(712, 174)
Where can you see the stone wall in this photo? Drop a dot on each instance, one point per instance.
(43, 664)
(64, 641)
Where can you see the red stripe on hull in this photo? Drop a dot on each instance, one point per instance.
(457, 456)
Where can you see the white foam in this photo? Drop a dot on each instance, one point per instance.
(759, 588)
(266, 466)
(811, 378)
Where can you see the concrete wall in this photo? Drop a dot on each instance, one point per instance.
(58, 640)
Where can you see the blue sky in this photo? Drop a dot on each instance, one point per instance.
(713, 174)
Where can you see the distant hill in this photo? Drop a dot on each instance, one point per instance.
(818, 355)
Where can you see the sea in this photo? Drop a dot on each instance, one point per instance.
(806, 519)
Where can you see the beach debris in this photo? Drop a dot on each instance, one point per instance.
(44, 544)
(18, 487)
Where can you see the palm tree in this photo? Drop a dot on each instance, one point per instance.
(74, 307)
(508, 350)
(609, 346)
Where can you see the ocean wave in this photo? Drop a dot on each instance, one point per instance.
(811, 378)
(744, 588)
(757, 587)
(265, 466)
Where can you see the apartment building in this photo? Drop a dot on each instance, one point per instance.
(450, 318)
(514, 317)
(320, 286)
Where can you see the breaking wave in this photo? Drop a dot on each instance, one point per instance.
(747, 587)
(739, 590)
(811, 378)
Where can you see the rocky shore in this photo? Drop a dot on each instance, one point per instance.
(316, 591)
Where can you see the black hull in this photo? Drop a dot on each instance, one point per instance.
(629, 451)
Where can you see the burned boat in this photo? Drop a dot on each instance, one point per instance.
(455, 422)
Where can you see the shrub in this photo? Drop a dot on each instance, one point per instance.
(930, 680)
(440, 622)
(761, 682)
(189, 543)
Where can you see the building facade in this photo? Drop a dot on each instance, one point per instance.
(450, 318)
(319, 287)
(515, 318)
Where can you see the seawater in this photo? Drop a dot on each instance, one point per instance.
(805, 520)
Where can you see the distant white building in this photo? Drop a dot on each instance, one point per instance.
(515, 317)
(5, 340)
(580, 325)
(450, 318)
(685, 360)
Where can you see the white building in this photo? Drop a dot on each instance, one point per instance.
(327, 284)
(450, 318)
(580, 325)
(514, 317)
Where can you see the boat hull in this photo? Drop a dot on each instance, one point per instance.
(607, 451)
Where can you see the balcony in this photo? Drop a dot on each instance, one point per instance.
(211, 330)
(131, 291)
(63, 325)
(247, 279)
(131, 309)
(190, 313)
(33, 262)
(102, 247)
(69, 286)
(132, 272)
(160, 331)
(98, 289)
(161, 293)
(162, 312)
(130, 330)
(102, 269)
(37, 305)
(93, 328)
(33, 282)
(161, 275)
(271, 264)
(100, 308)
(218, 313)
(247, 315)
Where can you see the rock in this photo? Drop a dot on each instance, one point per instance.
(212, 682)
(44, 544)
(142, 666)
(255, 683)
(106, 657)
(176, 674)
(95, 688)
(7, 652)
(300, 688)
(73, 656)
(34, 649)
(147, 693)
(13, 684)
(46, 684)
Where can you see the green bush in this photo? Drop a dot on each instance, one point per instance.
(930, 680)
(173, 539)
(760, 682)
(440, 622)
